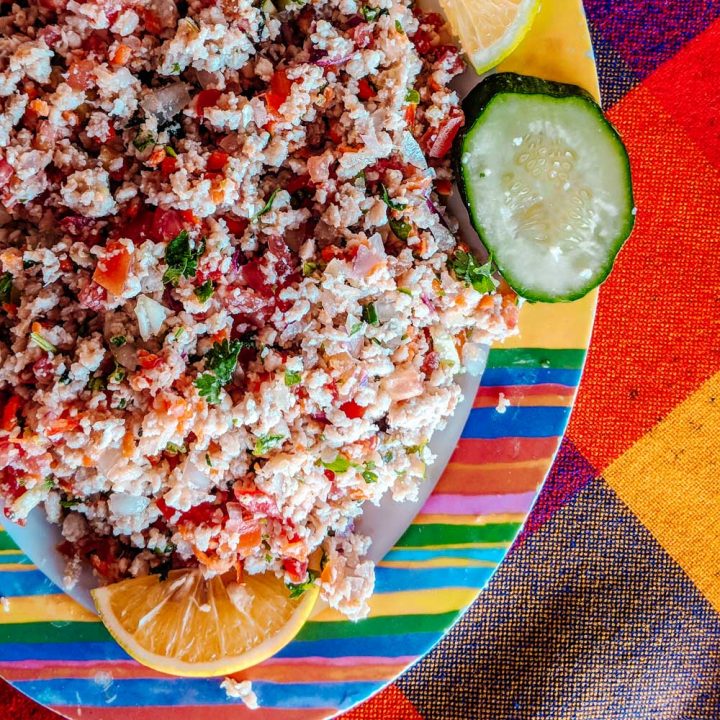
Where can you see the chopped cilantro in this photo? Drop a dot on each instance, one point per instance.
(309, 268)
(118, 340)
(122, 404)
(399, 27)
(268, 205)
(143, 141)
(393, 204)
(176, 69)
(220, 363)
(369, 314)
(178, 333)
(368, 475)
(95, 384)
(49, 482)
(339, 465)
(292, 378)
(71, 503)
(118, 374)
(467, 268)
(400, 228)
(42, 343)
(208, 461)
(205, 291)
(170, 151)
(370, 14)
(174, 449)
(405, 291)
(356, 328)
(265, 443)
(181, 259)
(6, 287)
(412, 96)
(297, 589)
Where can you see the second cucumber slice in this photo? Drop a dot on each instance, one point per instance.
(546, 179)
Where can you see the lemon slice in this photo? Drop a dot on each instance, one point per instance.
(489, 30)
(193, 627)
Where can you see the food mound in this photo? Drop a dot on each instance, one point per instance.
(233, 307)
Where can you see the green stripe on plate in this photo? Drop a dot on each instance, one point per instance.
(391, 625)
(420, 535)
(536, 357)
(57, 632)
(6, 543)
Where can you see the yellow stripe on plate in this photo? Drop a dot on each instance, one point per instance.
(436, 563)
(44, 608)
(456, 546)
(411, 602)
(16, 567)
(669, 479)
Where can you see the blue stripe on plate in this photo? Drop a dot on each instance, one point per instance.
(378, 646)
(61, 651)
(487, 423)
(188, 691)
(29, 582)
(397, 579)
(493, 377)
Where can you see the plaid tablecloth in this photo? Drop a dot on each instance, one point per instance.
(607, 606)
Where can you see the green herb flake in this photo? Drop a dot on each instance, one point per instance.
(412, 96)
(400, 228)
(268, 205)
(399, 27)
(266, 443)
(118, 340)
(208, 461)
(178, 333)
(339, 465)
(292, 378)
(6, 287)
(369, 314)
(309, 268)
(42, 343)
(73, 502)
(169, 151)
(143, 141)
(356, 328)
(181, 259)
(122, 404)
(205, 291)
(174, 449)
(49, 482)
(95, 384)
(176, 69)
(467, 269)
(118, 374)
(27, 264)
(371, 14)
(220, 363)
(405, 291)
(297, 589)
(393, 204)
(369, 476)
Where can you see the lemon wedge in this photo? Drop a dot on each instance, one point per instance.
(186, 625)
(489, 30)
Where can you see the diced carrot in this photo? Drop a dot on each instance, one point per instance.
(63, 425)
(112, 271)
(217, 161)
(168, 166)
(189, 217)
(122, 55)
(410, 114)
(486, 302)
(128, 444)
(157, 156)
(443, 186)
(40, 107)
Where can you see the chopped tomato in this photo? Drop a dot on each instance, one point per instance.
(93, 297)
(236, 225)
(6, 172)
(353, 410)
(255, 278)
(63, 425)
(80, 74)
(335, 131)
(10, 412)
(410, 114)
(298, 182)
(217, 161)
(443, 186)
(430, 363)
(51, 35)
(166, 224)
(148, 360)
(168, 166)
(330, 475)
(280, 86)
(365, 90)
(152, 22)
(97, 42)
(296, 569)
(206, 98)
(189, 218)
(438, 142)
(330, 252)
(112, 270)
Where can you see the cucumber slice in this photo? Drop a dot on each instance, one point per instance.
(546, 180)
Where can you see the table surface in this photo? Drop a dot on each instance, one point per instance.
(607, 606)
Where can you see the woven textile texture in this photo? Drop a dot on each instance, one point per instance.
(607, 606)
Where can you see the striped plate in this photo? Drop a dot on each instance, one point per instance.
(59, 654)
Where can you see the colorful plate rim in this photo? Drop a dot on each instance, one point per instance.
(59, 654)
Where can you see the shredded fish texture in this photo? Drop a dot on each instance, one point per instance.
(232, 309)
